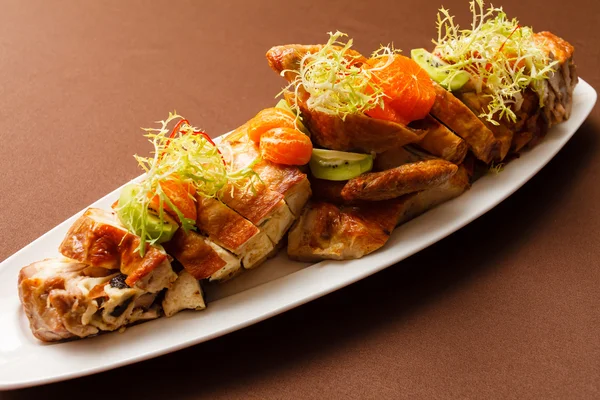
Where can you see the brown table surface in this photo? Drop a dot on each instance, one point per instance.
(508, 307)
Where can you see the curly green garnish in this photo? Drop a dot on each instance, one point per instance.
(336, 81)
(500, 55)
(187, 158)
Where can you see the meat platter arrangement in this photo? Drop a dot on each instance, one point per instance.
(356, 146)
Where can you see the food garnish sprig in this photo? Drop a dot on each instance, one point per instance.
(336, 80)
(500, 55)
(184, 156)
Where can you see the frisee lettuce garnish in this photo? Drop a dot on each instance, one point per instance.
(500, 55)
(188, 159)
(336, 80)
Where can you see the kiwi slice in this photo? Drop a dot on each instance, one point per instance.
(131, 211)
(433, 66)
(335, 165)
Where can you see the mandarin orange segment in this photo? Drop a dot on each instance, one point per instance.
(386, 113)
(181, 195)
(409, 87)
(286, 146)
(268, 119)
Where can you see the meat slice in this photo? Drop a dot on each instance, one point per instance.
(99, 240)
(427, 199)
(558, 89)
(503, 131)
(440, 141)
(328, 231)
(288, 180)
(287, 58)
(356, 132)
(222, 225)
(458, 117)
(62, 302)
(196, 255)
(36, 281)
(340, 232)
(406, 178)
(255, 202)
(185, 293)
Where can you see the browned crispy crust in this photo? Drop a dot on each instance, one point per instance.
(441, 141)
(503, 132)
(45, 322)
(357, 132)
(458, 117)
(406, 178)
(287, 57)
(223, 226)
(195, 254)
(354, 133)
(328, 231)
(239, 152)
(105, 245)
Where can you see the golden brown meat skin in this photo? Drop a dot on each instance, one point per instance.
(97, 240)
(197, 257)
(45, 322)
(392, 183)
(440, 141)
(223, 226)
(328, 231)
(285, 179)
(356, 132)
(287, 58)
(341, 232)
(458, 117)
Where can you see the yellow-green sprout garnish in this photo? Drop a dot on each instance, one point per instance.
(501, 56)
(187, 159)
(336, 81)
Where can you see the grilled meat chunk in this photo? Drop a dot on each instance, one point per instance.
(196, 255)
(292, 183)
(185, 293)
(328, 231)
(357, 132)
(287, 58)
(222, 225)
(440, 141)
(99, 240)
(61, 302)
(558, 93)
(341, 231)
(458, 117)
(427, 199)
(354, 133)
(406, 178)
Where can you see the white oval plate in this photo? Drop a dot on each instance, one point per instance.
(275, 287)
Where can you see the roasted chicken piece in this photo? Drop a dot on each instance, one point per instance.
(61, 302)
(341, 231)
(458, 117)
(185, 294)
(428, 199)
(329, 231)
(292, 183)
(558, 93)
(440, 141)
(404, 179)
(356, 132)
(99, 240)
(503, 131)
(198, 256)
